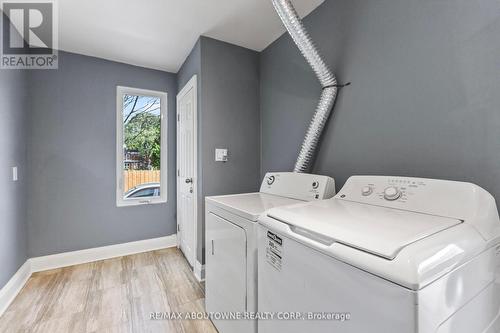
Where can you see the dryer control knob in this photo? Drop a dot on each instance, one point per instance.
(392, 193)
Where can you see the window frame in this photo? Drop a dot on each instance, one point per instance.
(163, 198)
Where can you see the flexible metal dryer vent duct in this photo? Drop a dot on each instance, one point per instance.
(296, 29)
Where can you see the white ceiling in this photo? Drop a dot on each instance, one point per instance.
(159, 34)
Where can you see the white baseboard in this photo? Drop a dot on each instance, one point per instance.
(100, 253)
(14, 286)
(37, 264)
(199, 271)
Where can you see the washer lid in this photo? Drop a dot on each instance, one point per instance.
(250, 205)
(380, 231)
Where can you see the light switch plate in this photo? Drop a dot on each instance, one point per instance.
(221, 155)
(14, 174)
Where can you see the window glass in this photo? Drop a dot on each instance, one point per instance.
(148, 192)
(141, 143)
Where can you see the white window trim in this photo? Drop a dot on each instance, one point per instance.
(120, 201)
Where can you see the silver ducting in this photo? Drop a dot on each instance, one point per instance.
(297, 31)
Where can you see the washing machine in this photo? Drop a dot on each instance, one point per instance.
(386, 254)
(231, 244)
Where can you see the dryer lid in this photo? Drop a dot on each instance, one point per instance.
(380, 231)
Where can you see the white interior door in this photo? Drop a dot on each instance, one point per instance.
(186, 170)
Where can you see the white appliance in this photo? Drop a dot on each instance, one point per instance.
(231, 243)
(386, 254)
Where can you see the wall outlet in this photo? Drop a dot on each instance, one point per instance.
(221, 155)
(14, 174)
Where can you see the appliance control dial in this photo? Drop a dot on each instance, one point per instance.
(392, 193)
(366, 191)
(270, 180)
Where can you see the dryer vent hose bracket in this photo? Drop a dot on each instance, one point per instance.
(301, 38)
(338, 85)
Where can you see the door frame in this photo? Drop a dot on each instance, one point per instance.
(191, 84)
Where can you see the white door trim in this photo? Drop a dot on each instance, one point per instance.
(199, 271)
(191, 84)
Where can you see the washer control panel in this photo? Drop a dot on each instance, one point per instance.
(432, 196)
(300, 186)
(382, 189)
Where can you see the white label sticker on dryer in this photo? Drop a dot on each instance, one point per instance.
(274, 250)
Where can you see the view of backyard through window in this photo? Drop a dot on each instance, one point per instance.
(141, 146)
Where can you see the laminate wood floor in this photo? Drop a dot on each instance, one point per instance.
(115, 295)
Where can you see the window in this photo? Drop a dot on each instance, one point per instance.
(141, 147)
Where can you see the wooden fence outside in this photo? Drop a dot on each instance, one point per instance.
(132, 178)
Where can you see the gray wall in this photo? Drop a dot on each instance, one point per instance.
(228, 117)
(190, 67)
(71, 152)
(13, 112)
(424, 98)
